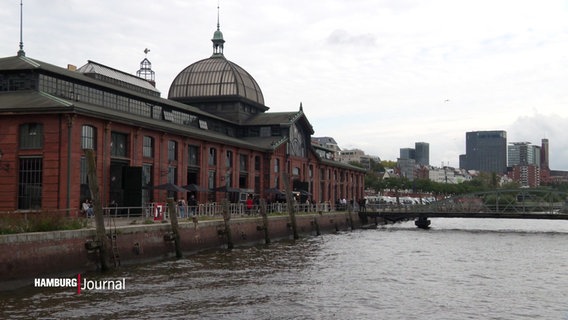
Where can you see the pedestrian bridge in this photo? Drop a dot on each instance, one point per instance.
(500, 204)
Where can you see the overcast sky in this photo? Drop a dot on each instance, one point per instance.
(375, 75)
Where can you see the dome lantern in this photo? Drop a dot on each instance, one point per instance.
(218, 40)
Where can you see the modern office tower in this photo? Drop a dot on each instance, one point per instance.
(407, 153)
(523, 153)
(407, 168)
(422, 153)
(486, 151)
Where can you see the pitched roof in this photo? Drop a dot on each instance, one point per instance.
(96, 68)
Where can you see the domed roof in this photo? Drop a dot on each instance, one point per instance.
(215, 77)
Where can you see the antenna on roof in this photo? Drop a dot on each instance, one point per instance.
(21, 52)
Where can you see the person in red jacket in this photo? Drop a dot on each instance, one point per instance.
(249, 204)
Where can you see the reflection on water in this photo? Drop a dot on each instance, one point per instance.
(460, 269)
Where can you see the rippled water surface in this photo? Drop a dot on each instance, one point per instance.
(460, 269)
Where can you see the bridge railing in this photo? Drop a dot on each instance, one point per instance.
(501, 201)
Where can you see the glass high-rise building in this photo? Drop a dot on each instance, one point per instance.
(422, 153)
(523, 153)
(486, 151)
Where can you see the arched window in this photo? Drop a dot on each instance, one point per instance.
(88, 137)
(31, 136)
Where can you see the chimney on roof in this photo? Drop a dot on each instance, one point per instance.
(71, 67)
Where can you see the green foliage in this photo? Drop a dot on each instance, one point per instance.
(388, 164)
(38, 222)
(499, 200)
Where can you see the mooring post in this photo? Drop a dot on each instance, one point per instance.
(290, 203)
(175, 226)
(101, 237)
(317, 226)
(349, 216)
(227, 219)
(264, 220)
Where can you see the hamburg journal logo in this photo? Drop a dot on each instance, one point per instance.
(81, 284)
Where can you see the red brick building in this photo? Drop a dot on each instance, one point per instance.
(213, 131)
(526, 175)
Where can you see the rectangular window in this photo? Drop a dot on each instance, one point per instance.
(257, 163)
(168, 116)
(118, 144)
(172, 178)
(229, 159)
(156, 112)
(211, 180)
(212, 156)
(31, 136)
(88, 137)
(265, 132)
(84, 180)
(30, 183)
(146, 182)
(148, 147)
(172, 150)
(276, 165)
(193, 155)
(243, 163)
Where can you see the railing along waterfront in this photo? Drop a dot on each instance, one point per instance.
(213, 209)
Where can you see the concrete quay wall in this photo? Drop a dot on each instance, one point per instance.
(26, 256)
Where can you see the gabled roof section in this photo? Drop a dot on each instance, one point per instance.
(271, 118)
(269, 143)
(280, 118)
(22, 101)
(18, 63)
(105, 73)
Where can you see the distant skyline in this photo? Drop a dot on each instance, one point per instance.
(374, 75)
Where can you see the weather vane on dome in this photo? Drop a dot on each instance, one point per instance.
(146, 51)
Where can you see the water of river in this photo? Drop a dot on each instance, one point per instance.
(459, 269)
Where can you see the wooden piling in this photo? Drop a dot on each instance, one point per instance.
(350, 216)
(227, 220)
(290, 205)
(175, 226)
(317, 226)
(264, 220)
(101, 236)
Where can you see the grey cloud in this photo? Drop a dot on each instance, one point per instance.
(342, 37)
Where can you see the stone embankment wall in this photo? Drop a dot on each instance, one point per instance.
(26, 256)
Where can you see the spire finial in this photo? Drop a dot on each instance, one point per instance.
(218, 24)
(21, 52)
(218, 38)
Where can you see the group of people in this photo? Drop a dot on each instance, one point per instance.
(343, 204)
(190, 207)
